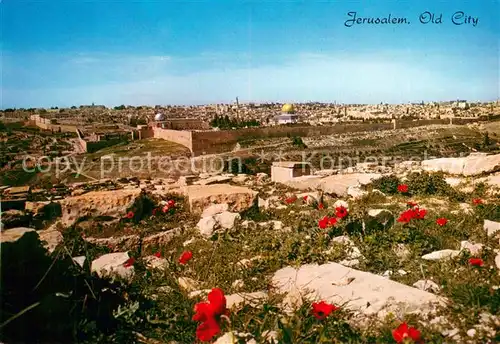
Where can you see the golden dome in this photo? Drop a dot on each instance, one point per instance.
(288, 108)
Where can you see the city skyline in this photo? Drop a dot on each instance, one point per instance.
(73, 53)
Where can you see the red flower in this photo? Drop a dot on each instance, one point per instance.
(129, 262)
(207, 330)
(332, 221)
(130, 215)
(404, 332)
(411, 204)
(476, 262)
(165, 208)
(171, 203)
(217, 301)
(412, 213)
(420, 213)
(403, 188)
(157, 255)
(185, 257)
(154, 211)
(406, 216)
(442, 221)
(322, 309)
(477, 201)
(341, 212)
(305, 198)
(321, 206)
(208, 313)
(327, 222)
(290, 200)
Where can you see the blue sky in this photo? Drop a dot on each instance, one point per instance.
(63, 53)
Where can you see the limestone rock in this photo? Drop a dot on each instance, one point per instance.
(125, 242)
(227, 219)
(235, 301)
(188, 284)
(491, 227)
(214, 209)
(14, 234)
(367, 293)
(51, 237)
(474, 249)
(439, 255)
(427, 285)
(80, 260)
(98, 203)
(238, 198)
(112, 264)
(206, 226)
(159, 239)
(472, 165)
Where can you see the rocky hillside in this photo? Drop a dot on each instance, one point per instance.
(409, 253)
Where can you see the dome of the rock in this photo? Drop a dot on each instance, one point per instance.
(288, 108)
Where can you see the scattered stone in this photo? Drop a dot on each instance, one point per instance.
(80, 260)
(226, 219)
(14, 234)
(98, 203)
(497, 261)
(427, 285)
(206, 225)
(491, 227)
(126, 242)
(238, 284)
(471, 333)
(214, 209)
(51, 238)
(112, 265)
(368, 293)
(474, 249)
(154, 262)
(471, 165)
(238, 198)
(159, 239)
(439, 255)
(236, 301)
(188, 284)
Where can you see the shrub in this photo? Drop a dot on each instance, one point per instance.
(387, 184)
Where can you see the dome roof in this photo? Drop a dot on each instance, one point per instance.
(288, 108)
(159, 117)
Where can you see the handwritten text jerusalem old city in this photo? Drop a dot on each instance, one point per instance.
(457, 18)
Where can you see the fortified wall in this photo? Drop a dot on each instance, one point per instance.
(212, 142)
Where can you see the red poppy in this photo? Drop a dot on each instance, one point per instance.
(165, 208)
(403, 188)
(171, 203)
(130, 215)
(477, 201)
(185, 257)
(411, 204)
(154, 211)
(404, 332)
(321, 206)
(305, 198)
(290, 200)
(341, 212)
(322, 309)
(412, 213)
(208, 313)
(406, 216)
(129, 262)
(110, 246)
(476, 262)
(157, 254)
(332, 221)
(420, 213)
(207, 330)
(323, 223)
(442, 221)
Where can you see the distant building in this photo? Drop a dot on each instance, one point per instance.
(287, 115)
